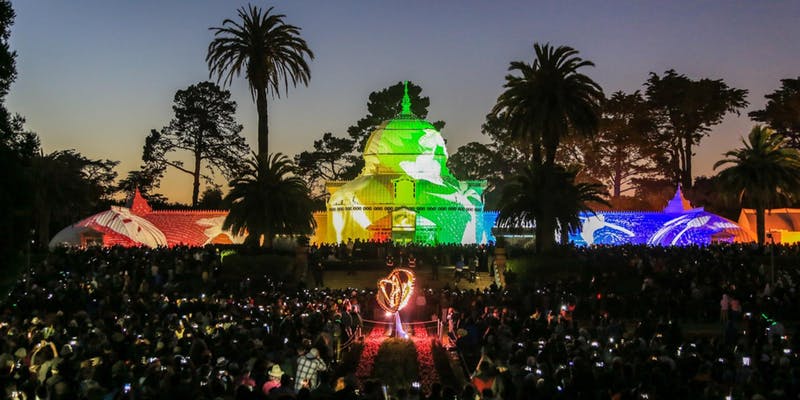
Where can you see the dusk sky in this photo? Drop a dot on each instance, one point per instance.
(97, 75)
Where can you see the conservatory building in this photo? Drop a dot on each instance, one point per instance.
(405, 192)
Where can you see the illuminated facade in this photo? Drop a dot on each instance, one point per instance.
(140, 225)
(782, 225)
(405, 192)
(678, 224)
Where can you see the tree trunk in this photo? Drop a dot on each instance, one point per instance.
(536, 150)
(617, 179)
(760, 224)
(263, 120)
(545, 234)
(687, 172)
(44, 228)
(564, 233)
(196, 182)
(675, 163)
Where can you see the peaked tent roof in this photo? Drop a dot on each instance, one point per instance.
(678, 203)
(138, 204)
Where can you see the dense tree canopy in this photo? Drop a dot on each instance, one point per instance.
(204, 126)
(146, 179)
(624, 146)
(269, 51)
(340, 158)
(211, 199)
(685, 110)
(67, 186)
(489, 162)
(332, 159)
(782, 111)
(384, 105)
(17, 149)
(8, 63)
(474, 161)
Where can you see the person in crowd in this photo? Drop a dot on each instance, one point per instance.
(485, 377)
(459, 268)
(435, 267)
(319, 271)
(724, 307)
(274, 379)
(309, 365)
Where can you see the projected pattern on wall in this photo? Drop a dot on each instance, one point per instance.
(655, 228)
(405, 191)
(678, 224)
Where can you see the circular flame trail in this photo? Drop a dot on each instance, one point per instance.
(393, 295)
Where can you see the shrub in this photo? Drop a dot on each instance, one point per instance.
(396, 363)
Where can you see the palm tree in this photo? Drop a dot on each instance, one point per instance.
(574, 199)
(271, 52)
(268, 199)
(764, 173)
(546, 195)
(549, 100)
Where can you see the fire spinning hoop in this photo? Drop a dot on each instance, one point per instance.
(393, 295)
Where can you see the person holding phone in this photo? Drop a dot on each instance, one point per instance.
(486, 377)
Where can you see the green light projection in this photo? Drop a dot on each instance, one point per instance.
(405, 191)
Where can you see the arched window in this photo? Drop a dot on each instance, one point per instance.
(404, 191)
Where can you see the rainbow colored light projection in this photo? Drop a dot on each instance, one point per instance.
(393, 295)
(405, 192)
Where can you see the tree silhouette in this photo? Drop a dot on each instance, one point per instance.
(270, 52)
(204, 126)
(384, 105)
(547, 195)
(782, 111)
(686, 109)
(764, 173)
(549, 100)
(331, 160)
(66, 186)
(624, 146)
(267, 199)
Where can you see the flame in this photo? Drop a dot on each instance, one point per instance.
(395, 290)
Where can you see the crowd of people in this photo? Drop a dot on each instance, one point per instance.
(141, 323)
(591, 339)
(400, 254)
(700, 322)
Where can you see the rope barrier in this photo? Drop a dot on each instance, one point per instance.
(371, 321)
(358, 334)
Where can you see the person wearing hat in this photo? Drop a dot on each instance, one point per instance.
(274, 381)
(308, 366)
